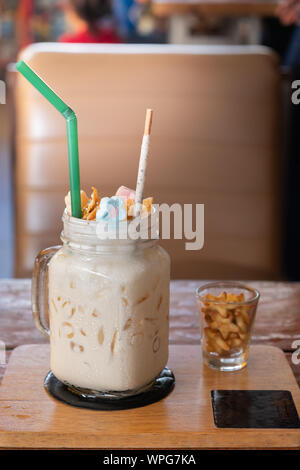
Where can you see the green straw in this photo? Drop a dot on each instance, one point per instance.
(72, 135)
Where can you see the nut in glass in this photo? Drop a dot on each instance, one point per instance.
(227, 311)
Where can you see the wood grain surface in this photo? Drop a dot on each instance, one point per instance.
(277, 322)
(184, 419)
(165, 8)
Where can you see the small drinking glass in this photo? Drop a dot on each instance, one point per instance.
(227, 311)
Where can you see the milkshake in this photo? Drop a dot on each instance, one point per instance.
(108, 303)
(109, 312)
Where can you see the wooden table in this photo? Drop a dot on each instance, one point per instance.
(178, 13)
(277, 322)
(166, 8)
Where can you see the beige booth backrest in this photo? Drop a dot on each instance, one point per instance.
(214, 141)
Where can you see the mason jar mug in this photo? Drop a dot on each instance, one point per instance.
(107, 302)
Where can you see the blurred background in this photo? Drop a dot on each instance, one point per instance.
(246, 156)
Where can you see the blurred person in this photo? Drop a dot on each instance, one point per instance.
(288, 12)
(136, 22)
(90, 21)
(124, 11)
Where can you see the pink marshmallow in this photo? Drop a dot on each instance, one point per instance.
(126, 192)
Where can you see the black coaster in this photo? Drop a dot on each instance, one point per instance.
(161, 387)
(254, 409)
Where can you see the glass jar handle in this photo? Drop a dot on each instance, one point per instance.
(39, 289)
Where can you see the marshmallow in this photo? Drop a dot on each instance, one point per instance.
(126, 192)
(111, 209)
